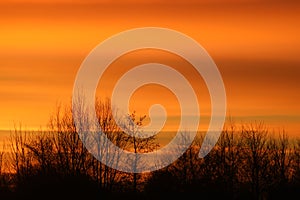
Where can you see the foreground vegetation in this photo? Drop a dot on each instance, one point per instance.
(248, 162)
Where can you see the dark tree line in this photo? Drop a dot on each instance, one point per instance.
(248, 162)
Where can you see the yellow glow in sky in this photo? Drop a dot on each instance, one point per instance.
(254, 44)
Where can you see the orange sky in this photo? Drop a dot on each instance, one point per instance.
(255, 46)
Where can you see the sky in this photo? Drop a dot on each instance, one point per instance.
(255, 45)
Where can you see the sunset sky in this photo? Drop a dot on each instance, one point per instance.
(255, 44)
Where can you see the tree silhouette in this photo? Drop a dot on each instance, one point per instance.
(246, 163)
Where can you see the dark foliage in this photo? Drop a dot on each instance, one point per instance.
(247, 163)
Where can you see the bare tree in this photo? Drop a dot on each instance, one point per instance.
(1, 168)
(296, 162)
(228, 157)
(187, 167)
(71, 153)
(106, 175)
(246, 158)
(136, 144)
(255, 152)
(20, 158)
(281, 159)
